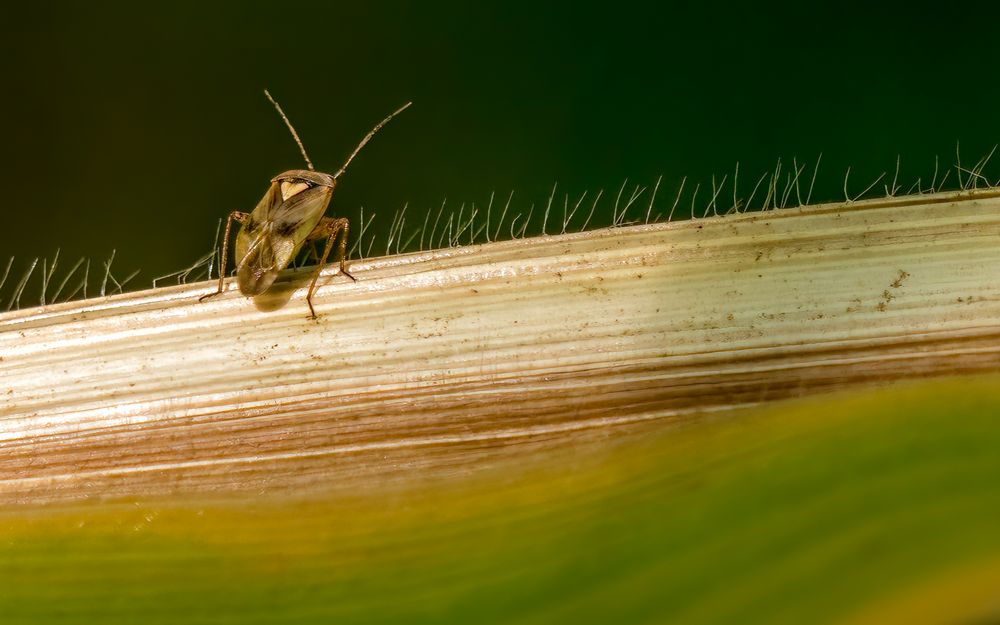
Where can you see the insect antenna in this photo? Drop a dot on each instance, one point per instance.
(367, 137)
(295, 135)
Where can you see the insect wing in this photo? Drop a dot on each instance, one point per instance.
(274, 233)
(298, 215)
(258, 268)
(260, 216)
(256, 261)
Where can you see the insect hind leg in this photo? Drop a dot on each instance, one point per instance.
(233, 216)
(329, 228)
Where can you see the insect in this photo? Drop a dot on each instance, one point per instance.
(289, 215)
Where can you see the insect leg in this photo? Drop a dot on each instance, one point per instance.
(329, 228)
(237, 216)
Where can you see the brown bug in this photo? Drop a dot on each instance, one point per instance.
(289, 215)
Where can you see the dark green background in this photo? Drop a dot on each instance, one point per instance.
(135, 127)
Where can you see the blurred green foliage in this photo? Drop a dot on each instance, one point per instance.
(818, 511)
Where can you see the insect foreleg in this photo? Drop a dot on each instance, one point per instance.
(329, 228)
(233, 216)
